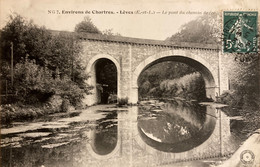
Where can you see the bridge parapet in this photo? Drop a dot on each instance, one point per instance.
(148, 42)
(138, 41)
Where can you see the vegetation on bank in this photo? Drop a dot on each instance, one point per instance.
(244, 95)
(45, 65)
(172, 79)
(190, 87)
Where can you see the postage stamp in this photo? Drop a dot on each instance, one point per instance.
(240, 31)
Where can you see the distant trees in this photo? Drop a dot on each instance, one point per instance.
(44, 64)
(161, 80)
(205, 29)
(190, 86)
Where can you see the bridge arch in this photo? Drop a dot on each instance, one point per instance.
(90, 70)
(209, 74)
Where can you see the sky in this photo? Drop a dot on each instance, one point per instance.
(166, 21)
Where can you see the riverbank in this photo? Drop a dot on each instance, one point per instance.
(24, 112)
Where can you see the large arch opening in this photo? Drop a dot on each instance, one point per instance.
(175, 76)
(104, 72)
(208, 74)
(170, 79)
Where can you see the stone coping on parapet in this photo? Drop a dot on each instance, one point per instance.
(138, 41)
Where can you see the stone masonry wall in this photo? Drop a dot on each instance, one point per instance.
(129, 56)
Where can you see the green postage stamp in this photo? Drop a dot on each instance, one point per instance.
(240, 31)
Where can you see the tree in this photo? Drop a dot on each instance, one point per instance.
(27, 38)
(109, 32)
(87, 26)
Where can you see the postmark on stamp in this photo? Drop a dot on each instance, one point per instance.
(247, 157)
(240, 32)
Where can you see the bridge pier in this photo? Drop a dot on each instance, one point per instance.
(133, 99)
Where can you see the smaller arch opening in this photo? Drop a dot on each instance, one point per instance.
(106, 81)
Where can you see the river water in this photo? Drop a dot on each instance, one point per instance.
(151, 134)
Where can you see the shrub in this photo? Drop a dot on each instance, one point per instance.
(65, 105)
(66, 88)
(229, 97)
(122, 101)
(54, 103)
(32, 82)
(36, 84)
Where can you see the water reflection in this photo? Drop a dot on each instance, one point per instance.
(148, 135)
(175, 126)
(104, 136)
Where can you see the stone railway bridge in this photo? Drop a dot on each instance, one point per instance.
(131, 56)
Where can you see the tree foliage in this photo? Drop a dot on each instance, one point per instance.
(87, 26)
(204, 29)
(244, 78)
(190, 86)
(43, 62)
(27, 38)
(109, 32)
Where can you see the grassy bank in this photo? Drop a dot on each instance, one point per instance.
(24, 112)
(18, 112)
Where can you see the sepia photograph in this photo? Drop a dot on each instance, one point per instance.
(129, 83)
